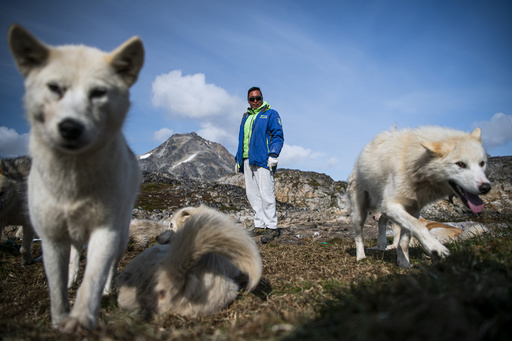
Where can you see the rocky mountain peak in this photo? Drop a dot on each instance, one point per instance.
(189, 156)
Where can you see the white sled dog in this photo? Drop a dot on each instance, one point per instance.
(84, 178)
(402, 171)
(193, 274)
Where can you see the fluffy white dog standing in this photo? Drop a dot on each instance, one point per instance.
(193, 275)
(84, 178)
(402, 171)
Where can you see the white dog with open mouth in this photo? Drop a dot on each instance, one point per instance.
(401, 171)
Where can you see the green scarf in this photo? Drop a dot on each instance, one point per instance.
(248, 126)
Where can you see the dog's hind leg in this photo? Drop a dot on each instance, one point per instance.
(382, 240)
(359, 205)
(74, 265)
(396, 236)
(402, 248)
(26, 245)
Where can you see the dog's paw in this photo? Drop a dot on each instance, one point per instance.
(27, 261)
(435, 256)
(74, 325)
(440, 252)
(391, 247)
(403, 263)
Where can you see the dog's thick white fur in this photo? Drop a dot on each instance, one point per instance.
(402, 171)
(193, 275)
(84, 178)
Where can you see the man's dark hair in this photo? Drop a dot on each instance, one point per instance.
(254, 88)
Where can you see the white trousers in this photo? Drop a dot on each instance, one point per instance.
(259, 186)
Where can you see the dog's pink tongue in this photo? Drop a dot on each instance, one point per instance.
(475, 203)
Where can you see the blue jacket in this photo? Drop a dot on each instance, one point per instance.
(267, 138)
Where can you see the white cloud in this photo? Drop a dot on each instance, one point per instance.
(191, 97)
(497, 131)
(11, 143)
(213, 132)
(214, 110)
(333, 161)
(295, 155)
(162, 135)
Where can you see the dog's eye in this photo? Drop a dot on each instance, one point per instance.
(55, 88)
(97, 93)
(482, 164)
(461, 164)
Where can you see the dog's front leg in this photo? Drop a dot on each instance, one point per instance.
(399, 215)
(56, 258)
(100, 256)
(121, 248)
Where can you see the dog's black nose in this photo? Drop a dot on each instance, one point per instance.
(485, 188)
(70, 129)
(165, 237)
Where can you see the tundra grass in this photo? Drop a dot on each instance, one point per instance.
(307, 292)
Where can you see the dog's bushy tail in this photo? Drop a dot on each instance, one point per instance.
(211, 232)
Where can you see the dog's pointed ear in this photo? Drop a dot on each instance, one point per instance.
(28, 52)
(127, 59)
(437, 148)
(477, 134)
(185, 214)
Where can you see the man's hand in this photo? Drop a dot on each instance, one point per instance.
(272, 162)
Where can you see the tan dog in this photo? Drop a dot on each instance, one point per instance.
(193, 275)
(84, 178)
(401, 171)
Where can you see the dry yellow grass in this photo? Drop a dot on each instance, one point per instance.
(308, 291)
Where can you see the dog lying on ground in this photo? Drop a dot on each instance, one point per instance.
(402, 171)
(193, 274)
(84, 178)
(177, 221)
(13, 202)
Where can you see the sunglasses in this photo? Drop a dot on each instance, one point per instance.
(254, 99)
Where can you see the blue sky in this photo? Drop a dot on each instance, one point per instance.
(338, 72)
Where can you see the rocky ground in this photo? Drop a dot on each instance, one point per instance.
(309, 291)
(311, 207)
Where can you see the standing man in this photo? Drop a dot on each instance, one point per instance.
(259, 143)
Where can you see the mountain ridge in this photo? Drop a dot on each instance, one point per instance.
(189, 156)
